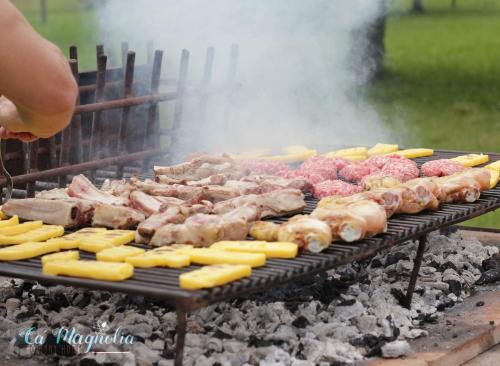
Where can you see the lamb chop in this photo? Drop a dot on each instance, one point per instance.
(203, 230)
(186, 193)
(171, 214)
(83, 188)
(119, 188)
(65, 212)
(202, 167)
(273, 182)
(116, 217)
(144, 203)
(275, 203)
(216, 180)
(53, 194)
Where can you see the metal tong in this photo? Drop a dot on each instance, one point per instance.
(9, 185)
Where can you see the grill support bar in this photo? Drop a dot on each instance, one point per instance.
(181, 335)
(417, 262)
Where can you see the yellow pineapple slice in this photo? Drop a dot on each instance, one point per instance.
(105, 239)
(213, 256)
(106, 271)
(42, 233)
(21, 228)
(14, 220)
(66, 243)
(494, 177)
(270, 249)
(252, 154)
(212, 276)
(354, 157)
(382, 149)
(118, 254)
(494, 166)
(295, 149)
(27, 250)
(290, 158)
(66, 255)
(352, 151)
(414, 153)
(157, 258)
(471, 160)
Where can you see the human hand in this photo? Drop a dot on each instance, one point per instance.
(23, 136)
(10, 117)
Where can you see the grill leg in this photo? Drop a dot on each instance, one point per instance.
(416, 268)
(181, 335)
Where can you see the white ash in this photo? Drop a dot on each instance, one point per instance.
(338, 317)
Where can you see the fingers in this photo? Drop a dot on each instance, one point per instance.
(22, 136)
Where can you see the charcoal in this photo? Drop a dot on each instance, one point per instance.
(480, 303)
(393, 258)
(490, 276)
(399, 295)
(300, 322)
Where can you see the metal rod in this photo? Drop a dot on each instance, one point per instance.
(207, 78)
(150, 48)
(417, 262)
(151, 138)
(73, 52)
(32, 167)
(76, 122)
(133, 101)
(124, 50)
(181, 89)
(181, 335)
(124, 121)
(233, 63)
(78, 168)
(99, 97)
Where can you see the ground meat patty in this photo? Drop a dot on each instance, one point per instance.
(267, 167)
(319, 168)
(441, 168)
(335, 188)
(356, 172)
(403, 170)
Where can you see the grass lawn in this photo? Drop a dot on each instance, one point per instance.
(442, 83)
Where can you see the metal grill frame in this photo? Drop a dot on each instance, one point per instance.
(162, 283)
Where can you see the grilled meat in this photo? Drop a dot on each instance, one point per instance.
(353, 220)
(83, 188)
(66, 212)
(171, 214)
(203, 230)
(119, 188)
(275, 203)
(116, 217)
(186, 193)
(53, 194)
(441, 168)
(145, 203)
(389, 199)
(379, 180)
(203, 167)
(264, 230)
(307, 232)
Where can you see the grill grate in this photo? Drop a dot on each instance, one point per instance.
(162, 283)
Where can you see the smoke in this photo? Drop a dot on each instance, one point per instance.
(299, 85)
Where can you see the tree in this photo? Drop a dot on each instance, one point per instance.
(369, 49)
(417, 6)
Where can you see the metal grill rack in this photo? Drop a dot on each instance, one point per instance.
(162, 283)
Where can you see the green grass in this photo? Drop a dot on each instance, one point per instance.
(70, 22)
(442, 82)
(441, 88)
